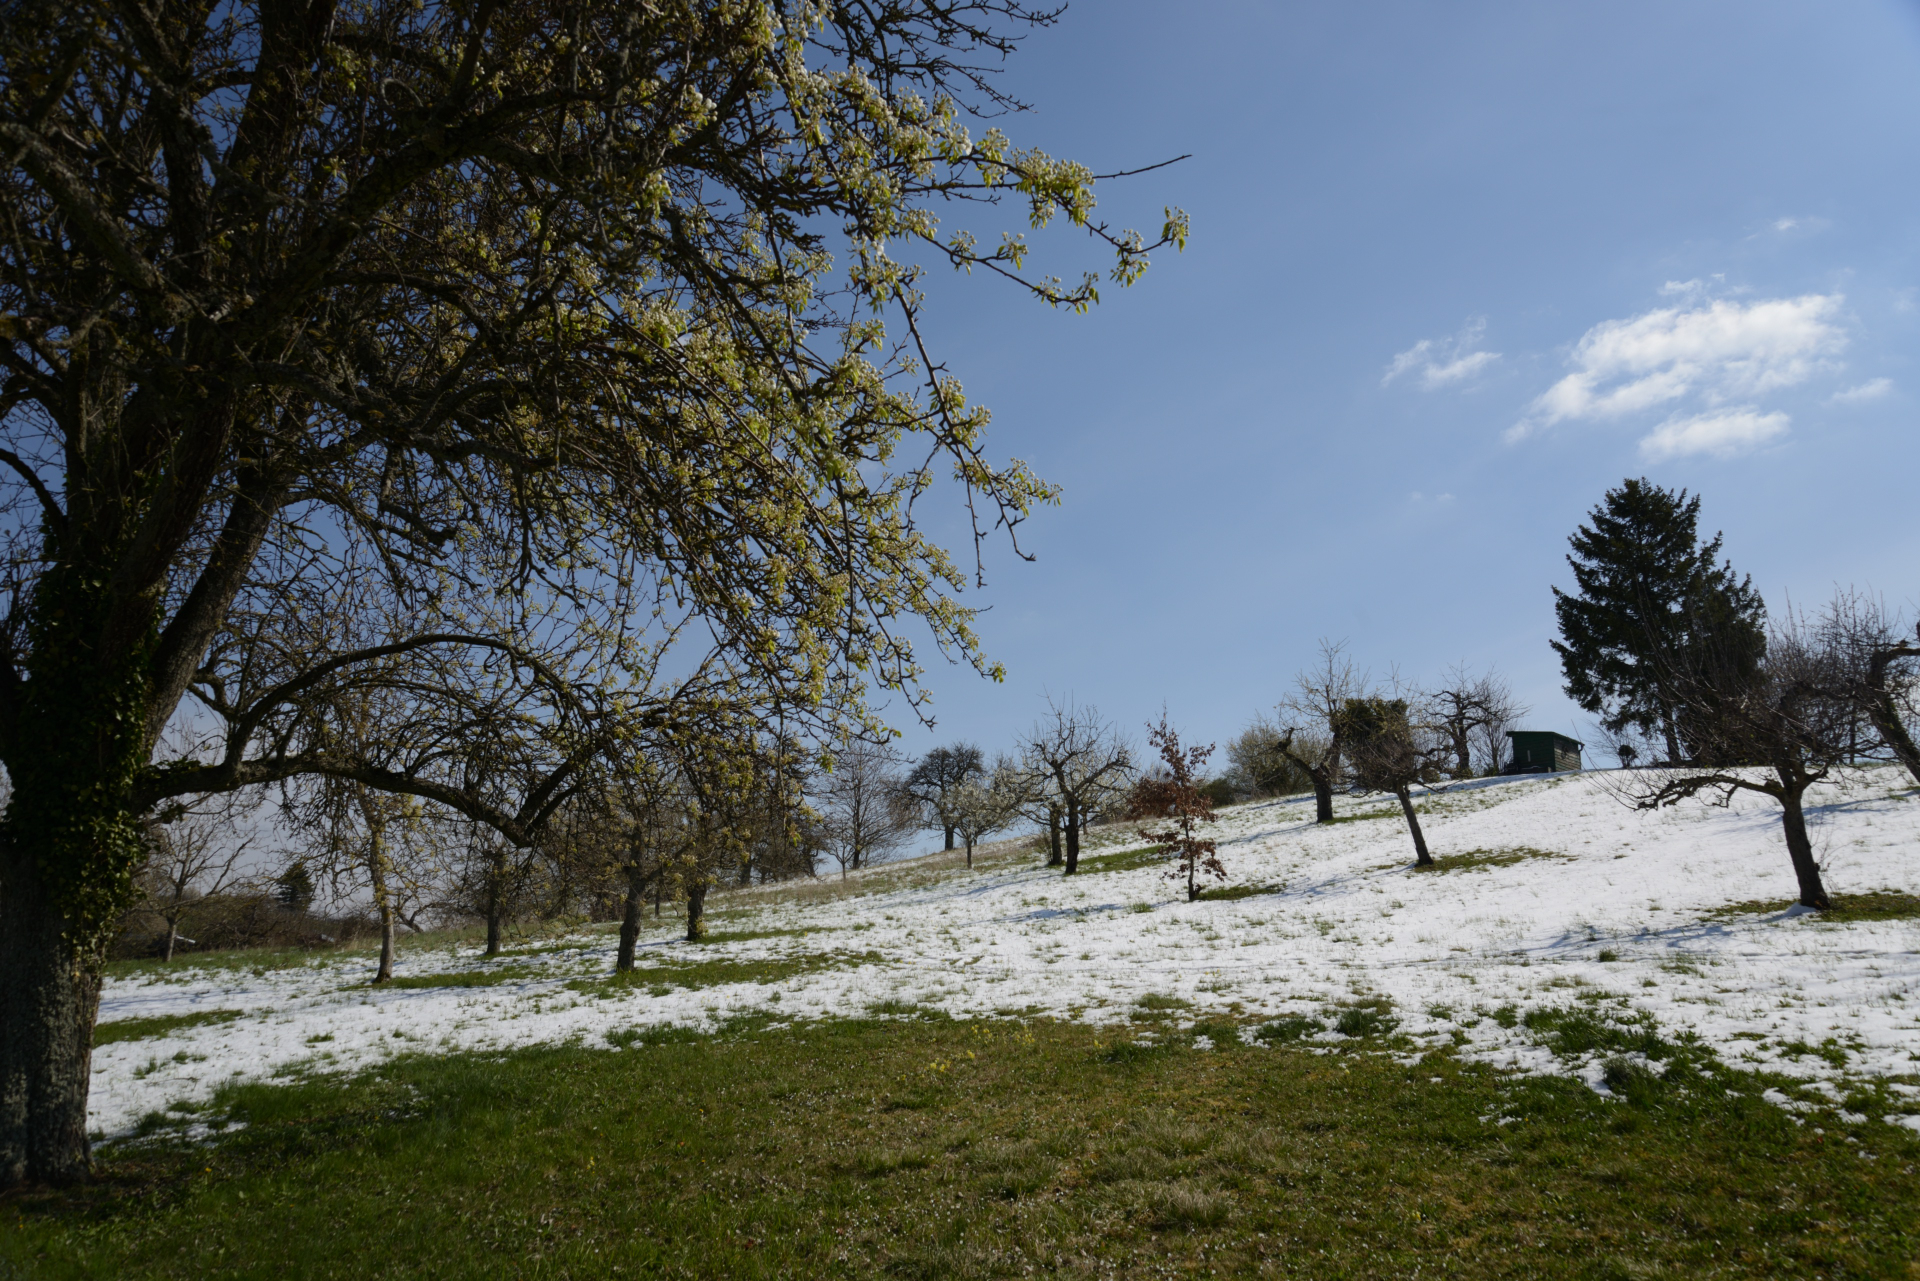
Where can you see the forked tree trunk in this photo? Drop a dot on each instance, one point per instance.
(1422, 858)
(696, 911)
(49, 994)
(1805, 868)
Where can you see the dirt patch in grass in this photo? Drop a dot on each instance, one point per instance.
(160, 1025)
(1875, 905)
(662, 977)
(1124, 860)
(1506, 856)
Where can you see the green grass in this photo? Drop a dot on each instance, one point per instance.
(1878, 905)
(490, 977)
(1124, 860)
(160, 1025)
(662, 977)
(924, 1148)
(1504, 857)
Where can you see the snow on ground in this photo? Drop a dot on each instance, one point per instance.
(1338, 917)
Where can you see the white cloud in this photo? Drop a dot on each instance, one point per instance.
(1718, 352)
(1873, 389)
(1786, 224)
(1445, 361)
(1722, 433)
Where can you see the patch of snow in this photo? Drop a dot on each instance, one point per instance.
(1344, 919)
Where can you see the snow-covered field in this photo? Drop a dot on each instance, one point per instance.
(1339, 917)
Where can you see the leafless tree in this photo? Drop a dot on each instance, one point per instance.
(194, 858)
(1773, 729)
(1881, 670)
(1470, 709)
(1086, 764)
(862, 817)
(1309, 721)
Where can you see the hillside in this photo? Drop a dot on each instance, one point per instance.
(1552, 898)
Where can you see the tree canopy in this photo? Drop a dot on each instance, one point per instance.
(548, 376)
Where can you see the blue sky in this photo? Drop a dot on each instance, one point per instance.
(1455, 269)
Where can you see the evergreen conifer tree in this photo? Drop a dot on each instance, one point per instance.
(1650, 600)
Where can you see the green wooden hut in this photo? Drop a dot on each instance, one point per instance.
(1541, 752)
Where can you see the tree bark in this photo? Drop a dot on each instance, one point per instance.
(383, 904)
(949, 828)
(1805, 868)
(630, 920)
(166, 951)
(1322, 794)
(969, 853)
(493, 911)
(1073, 839)
(49, 994)
(1422, 858)
(696, 911)
(1056, 857)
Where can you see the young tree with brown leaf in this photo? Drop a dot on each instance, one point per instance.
(1173, 793)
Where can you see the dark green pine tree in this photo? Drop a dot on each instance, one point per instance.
(1651, 607)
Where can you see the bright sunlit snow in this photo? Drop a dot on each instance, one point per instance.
(1338, 917)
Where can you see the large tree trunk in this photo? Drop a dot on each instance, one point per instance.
(630, 920)
(494, 875)
(969, 853)
(1422, 858)
(49, 994)
(1322, 794)
(1462, 756)
(696, 911)
(1056, 856)
(949, 830)
(1800, 849)
(1073, 839)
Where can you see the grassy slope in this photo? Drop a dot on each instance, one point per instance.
(931, 1148)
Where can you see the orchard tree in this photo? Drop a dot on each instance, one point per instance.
(1082, 762)
(1469, 709)
(1311, 725)
(1879, 669)
(1789, 719)
(935, 781)
(1389, 752)
(550, 368)
(1174, 794)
